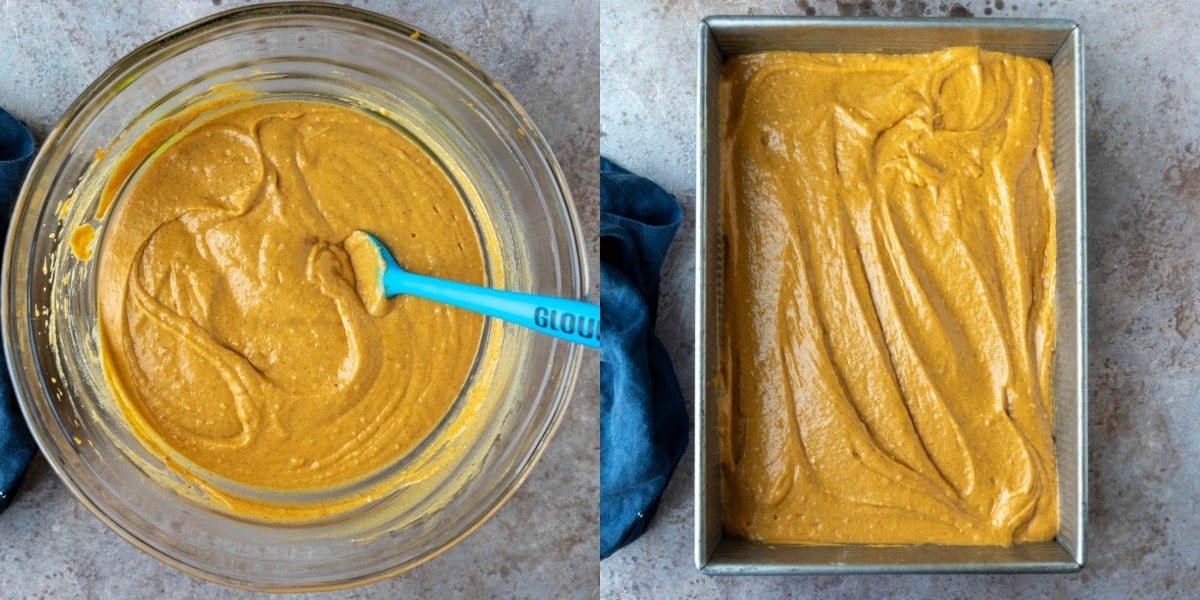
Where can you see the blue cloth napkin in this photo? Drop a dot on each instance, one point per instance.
(16, 446)
(643, 420)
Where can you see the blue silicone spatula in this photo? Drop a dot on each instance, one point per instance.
(379, 277)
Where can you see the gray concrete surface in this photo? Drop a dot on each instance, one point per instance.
(543, 542)
(1143, 101)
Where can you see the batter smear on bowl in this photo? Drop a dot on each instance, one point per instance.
(232, 334)
(888, 301)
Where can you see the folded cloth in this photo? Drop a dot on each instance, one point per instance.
(16, 446)
(643, 420)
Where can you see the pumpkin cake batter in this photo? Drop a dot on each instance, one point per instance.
(232, 333)
(888, 298)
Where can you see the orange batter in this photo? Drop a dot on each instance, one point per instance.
(888, 298)
(232, 333)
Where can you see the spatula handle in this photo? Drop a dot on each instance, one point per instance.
(570, 320)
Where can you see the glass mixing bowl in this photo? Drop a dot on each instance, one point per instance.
(513, 189)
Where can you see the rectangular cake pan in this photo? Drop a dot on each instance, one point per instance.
(1057, 41)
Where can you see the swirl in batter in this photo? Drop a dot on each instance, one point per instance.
(232, 333)
(888, 299)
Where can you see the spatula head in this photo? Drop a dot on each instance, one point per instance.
(370, 260)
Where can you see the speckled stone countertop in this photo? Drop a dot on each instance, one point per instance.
(1143, 103)
(543, 542)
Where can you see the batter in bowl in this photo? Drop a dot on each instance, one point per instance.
(231, 331)
(888, 301)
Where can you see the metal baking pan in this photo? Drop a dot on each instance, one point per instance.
(1057, 41)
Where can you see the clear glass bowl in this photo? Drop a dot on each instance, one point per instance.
(512, 186)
